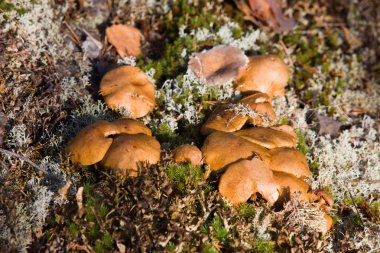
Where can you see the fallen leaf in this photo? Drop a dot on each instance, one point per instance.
(328, 126)
(268, 11)
(65, 189)
(218, 65)
(91, 46)
(353, 41)
(79, 197)
(125, 38)
(355, 111)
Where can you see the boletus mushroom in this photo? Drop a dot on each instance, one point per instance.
(266, 73)
(246, 177)
(128, 87)
(188, 154)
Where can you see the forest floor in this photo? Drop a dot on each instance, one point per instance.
(50, 69)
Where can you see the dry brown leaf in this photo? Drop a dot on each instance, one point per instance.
(79, 197)
(65, 189)
(328, 125)
(268, 11)
(125, 38)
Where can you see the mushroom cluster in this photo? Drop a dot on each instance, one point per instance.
(261, 158)
(121, 145)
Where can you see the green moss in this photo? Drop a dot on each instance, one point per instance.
(247, 210)
(220, 232)
(183, 176)
(301, 145)
(209, 248)
(263, 246)
(5, 6)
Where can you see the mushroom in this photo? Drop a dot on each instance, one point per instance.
(223, 119)
(268, 74)
(128, 151)
(255, 109)
(246, 177)
(125, 38)
(260, 103)
(289, 160)
(268, 137)
(218, 65)
(188, 154)
(327, 224)
(325, 200)
(290, 185)
(91, 144)
(221, 149)
(128, 87)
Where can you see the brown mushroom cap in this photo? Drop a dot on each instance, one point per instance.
(218, 65)
(267, 73)
(261, 104)
(221, 149)
(268, 137)
(329, 222)
(128, 87)
(290, 184)
(125, 38)
(130, 126)
(188, 154)
(289, 160)
(129, 150)
(223, 119)
(91, 143)
(246, 177)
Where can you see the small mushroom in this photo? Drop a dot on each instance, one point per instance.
(325, 200)
(218, 65)
(289, 160)
(267, 73)
(125, 38)
(246, 177)
(268, 137)
(260, 103)
(130, 126)
(128, 151)
(290, 185)
(188, 154)
(128, 87)
(221, 149)
(91, 143)
(223, 119)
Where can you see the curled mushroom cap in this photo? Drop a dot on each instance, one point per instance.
(268, 74)
(128, 87)
(290, 185)
(188, 154)
(125, 38)
(246, 177)
(91, 143)
(218, 65)
(268, 137)
(289, 160)
(128, 151)
(221, 149)
(223, 119)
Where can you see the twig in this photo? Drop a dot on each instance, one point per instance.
(23, 158)
(287, 53)
(356, 208)
(26, 159)
(73, 33)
